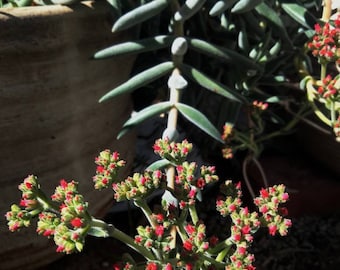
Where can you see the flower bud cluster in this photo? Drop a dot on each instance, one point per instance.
(196, 241)
(325, 42)
(188, 186)
(137, 186)
(259, 105)
(64, 217)
(245, 224)
(185, 190)
(155, 237)
(329, 88)
(172, 151)
(108, 165)
(29, 189)
(268, 203)
(18, 217)
(227, 137)
(70, 226)
(227, 132)
(232, 201)
(208, 175)
(123, 266)
(64, 191)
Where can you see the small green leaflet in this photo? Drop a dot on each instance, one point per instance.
(98, 232)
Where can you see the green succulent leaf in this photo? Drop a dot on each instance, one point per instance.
(243, 6)
(199, 119)
(271, 15)
(274, 99)
(79, 246)
(18, 3)
(274, 51)
(117, 6)
(211, 84)
(134, 47)
(140, 14)
(220, 6)
(243, 42)
(190, 8)
(159, 164)
(221, 54)
(300, 14)
(139, 80)
(64, 2)
(98, 232)
(145, 114)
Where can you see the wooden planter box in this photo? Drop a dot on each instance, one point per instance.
(51, 123)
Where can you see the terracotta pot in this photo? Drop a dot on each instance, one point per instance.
(51, 123)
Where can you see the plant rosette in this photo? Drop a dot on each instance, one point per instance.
(175, 237)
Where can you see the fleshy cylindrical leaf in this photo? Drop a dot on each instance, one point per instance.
(222, 54)
(140, 80)
(211, 84)
(145, 114)
(139, 14)
(199, 119)
(243, 6)
(220, 6)
(300, 14)
(189, 9)
(134, 47)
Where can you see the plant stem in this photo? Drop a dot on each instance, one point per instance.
(323, 71)
(245, 175)
(121, 236)
(170, 176)
(327, 10)
(193, 214)
(221, 255)
(333, 114)
(46, 202)
(181, 231)
(217, 264)
(311, 96)
(146, 210)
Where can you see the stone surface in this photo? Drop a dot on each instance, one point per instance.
(51, 123)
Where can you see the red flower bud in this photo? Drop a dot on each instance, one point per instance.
(187, 245)
(76, 222)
